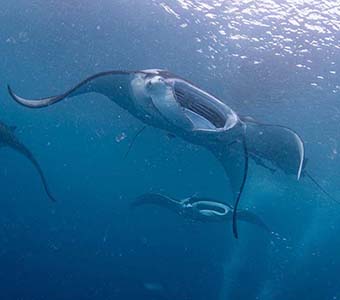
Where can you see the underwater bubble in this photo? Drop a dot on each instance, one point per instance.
(120, 137)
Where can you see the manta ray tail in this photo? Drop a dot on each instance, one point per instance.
(249, 217)
(318, 185)
(243, 182)
(137, 134)
(234, 158)
(111, 84)
(24, 151)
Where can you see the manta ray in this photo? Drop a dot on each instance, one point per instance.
(199, 209)
(9, 139)
(168, 102)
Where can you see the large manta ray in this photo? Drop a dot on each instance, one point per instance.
(163, 100)
(8, 139)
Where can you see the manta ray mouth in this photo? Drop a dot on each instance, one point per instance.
(193, 102)
(214, 207)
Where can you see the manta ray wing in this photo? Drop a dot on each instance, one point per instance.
(157, 199)
(249, 217)
(25, 152)
(112, 84)
(279, 145)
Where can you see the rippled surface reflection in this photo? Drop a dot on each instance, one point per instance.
(253, 32)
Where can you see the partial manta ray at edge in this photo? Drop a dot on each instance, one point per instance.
(165, 101)
(9, 139)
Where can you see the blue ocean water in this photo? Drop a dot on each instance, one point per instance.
(277, 61)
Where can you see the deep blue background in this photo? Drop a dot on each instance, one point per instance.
(276, 61)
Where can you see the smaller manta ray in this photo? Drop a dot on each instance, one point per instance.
(200, 209)
(8, 139)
